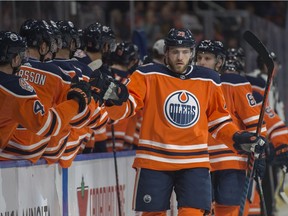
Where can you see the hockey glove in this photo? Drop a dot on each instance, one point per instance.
(116, 94)
(99, 85)
(260, 166)
(246, 142)
(80, 91)
(281, 155)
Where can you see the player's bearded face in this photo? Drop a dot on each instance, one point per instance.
(178, 58)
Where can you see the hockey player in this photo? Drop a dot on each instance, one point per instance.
(228, 168)
(80, 131)
(96, 39)
(258, 79)
(51, 85)
(48, 81)
(180, 105)
(277, 132)
(124, 61)
(21, 105)
(68, 41)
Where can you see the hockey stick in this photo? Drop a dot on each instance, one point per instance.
(280, 189)
(264, 54)
(116, 170)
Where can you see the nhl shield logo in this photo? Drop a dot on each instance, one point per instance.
(181, 109)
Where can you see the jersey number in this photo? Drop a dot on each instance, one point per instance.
(251, 99)
(38, 107)
(269, 112)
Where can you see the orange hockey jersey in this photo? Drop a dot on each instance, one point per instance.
(51, 85)
(131, 138)
(65, 147)
(96, 66)
(277, 131)
(245, 113)
(178, 111)
(20, 105)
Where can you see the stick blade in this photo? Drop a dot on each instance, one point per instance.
(259, 47)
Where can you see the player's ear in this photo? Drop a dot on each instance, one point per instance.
(219, 62)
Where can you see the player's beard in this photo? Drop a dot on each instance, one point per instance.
(180, 69)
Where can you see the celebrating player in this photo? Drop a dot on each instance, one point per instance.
(180, 105)
(21, 105)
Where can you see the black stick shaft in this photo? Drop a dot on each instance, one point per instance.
(116, 170)
(264, 54)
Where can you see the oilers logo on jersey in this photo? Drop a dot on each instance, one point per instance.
(181, 109)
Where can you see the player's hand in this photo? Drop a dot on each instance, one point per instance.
(116, 94)
(80, 91)
(99, 84)
(246, 142)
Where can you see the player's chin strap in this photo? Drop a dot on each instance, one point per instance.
(280, 188)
